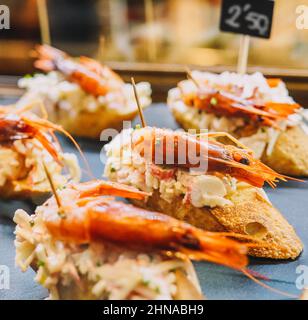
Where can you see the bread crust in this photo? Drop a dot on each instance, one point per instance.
(250, 215)
(290, 152)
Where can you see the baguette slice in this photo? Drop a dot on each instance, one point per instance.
(83, 123)
(20, 190)
(250, 215)
(290, 153)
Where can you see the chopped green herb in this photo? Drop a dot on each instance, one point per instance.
(157, 141)
(28, 76)
(112, 169)
(41, 263)
(31, 223)
(213, 101)
(174, 269)
(263, 130)
(137, 126)
(61, 214)
(145, 282)
(98, 264)
(157, 290)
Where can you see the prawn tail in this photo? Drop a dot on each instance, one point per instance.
(220, 249)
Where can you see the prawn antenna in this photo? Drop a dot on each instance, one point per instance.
(39, 103)
(250, 275)
(53, 188)
(138, 104)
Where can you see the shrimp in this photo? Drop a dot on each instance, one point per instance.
(222, 103)
(159, 146)
(22, 129)
(88, 213)
(14, 125)
(101, 70)
(91, 76)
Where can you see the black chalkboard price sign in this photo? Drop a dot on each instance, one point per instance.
(248, 17)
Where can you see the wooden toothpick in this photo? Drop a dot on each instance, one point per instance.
(101, 48)
(44, 22)
(138, 103)
(243, 54)
(53, 188)
(149, 17)
(190, 76)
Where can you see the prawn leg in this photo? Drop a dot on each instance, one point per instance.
(227, 135)
(101, 187)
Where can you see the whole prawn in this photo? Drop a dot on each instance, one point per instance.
(19, 124)
(92, 77)
(160, 145)
(221, 103)
(88, 214)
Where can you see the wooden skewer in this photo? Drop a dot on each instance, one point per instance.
(243, 54)
(144, 124)
(44, 22)
(101, 48)
(53, 188)
(149, 17)
(190, 76)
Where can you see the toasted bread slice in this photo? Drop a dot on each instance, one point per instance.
(82, 123)
(91, 124)
(21, 189)
(250, 215)
(289, 155)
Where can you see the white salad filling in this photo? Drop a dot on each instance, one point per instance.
(127, 166)
(106, 271)
(245, 87)
(22, 162)
(71, 97)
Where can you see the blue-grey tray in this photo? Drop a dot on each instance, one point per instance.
(217, 282)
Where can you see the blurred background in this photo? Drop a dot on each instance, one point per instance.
(148, 31)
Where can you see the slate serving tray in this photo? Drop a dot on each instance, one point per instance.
(217, 282)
